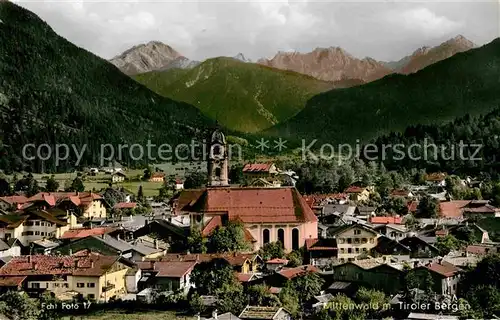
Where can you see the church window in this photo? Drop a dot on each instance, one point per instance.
(281, 236)
(265, 236)
(295, 239)
(217, 172)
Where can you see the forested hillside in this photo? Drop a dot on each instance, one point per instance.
(245, 97)
(466, 83)
(52, 92)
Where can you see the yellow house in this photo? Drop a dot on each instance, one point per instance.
(87, 204)
(354, 240)
(33, 225)
(95, 277)
(356, 193)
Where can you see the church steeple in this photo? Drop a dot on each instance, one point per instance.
(218, 162)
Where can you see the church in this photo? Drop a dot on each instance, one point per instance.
(268, 214)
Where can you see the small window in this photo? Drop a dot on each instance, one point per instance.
(37, 233)
(372, 240)
(365, 250)
(349, 250)
(356, 231)
(341, 240)
(90, 285)
(35, 285)
(349, 240)
(342, 250)
(80, 285)
(37, 223)
(356, 240)
(91, 296)
(360, 276)
(56, 285)
(357, 250)
(364, 240)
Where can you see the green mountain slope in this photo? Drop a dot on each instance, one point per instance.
(467, 83)
(245, 97)
(51, 92)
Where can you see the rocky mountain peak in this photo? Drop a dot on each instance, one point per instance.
(241, 57)
(151, 56)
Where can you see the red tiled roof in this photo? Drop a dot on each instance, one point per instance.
(83, 233)
(14, 199)
(435, 176)
(481, 250)
(83, 199)
(386, 220)
(441, 233)
(452, 209)
(234, 259)
(12, 281)
(252, 205)
(91, 265)
(354, 189)
(444, 268)
(244, 277)
(168, 269)
(248, 236)
(298, 271)
(400, 192)
(316, 199)
(488, 208)
(125, 205)
(158, 175)
(178, 181)
(311, 246)
(211, 225)
(277, 261)
(274, 290)
(257, 167)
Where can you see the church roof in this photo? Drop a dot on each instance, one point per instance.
(250, 205)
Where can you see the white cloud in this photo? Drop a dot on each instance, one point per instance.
(424, 20)
(259, 28)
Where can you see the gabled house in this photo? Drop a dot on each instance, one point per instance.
(157, 177)
(164, 230)
(389, 248)
(354, 241)
(11, 203)
(402, 193)
(386, 220)
(445, 275)
(436, 179)
(420, 247)
(280, 278)
(369, 273)
(118, 177)
(321, 252)
(392, 231)
(10, 248)
(94, 276)
(241, 262)
(264, 313)
(356, 193)
(166, 275)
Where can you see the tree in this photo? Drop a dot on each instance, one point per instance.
(294, 259)
(19, 306)
(309, 285)
(77, 185)
(52, 185)
(140, 194)
(48, 313)
(196, 304)
(231, 298)
(4, 187)
(259, 295)
(196, 242)
(428, 207)
(272, 250)
(377, 301)
(27, 184)
(290, 300)
(148, 172)
(210, 276)
(338, 311)
(447, 243)
(230, 238)
(195, 180)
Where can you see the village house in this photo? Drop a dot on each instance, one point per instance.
(420, 247)
(354, 241)
(389, 249)
(88, 205)
(397, 220)
(10, 248)
(276, 264)
(264, 313)
(12, 203)
(255, 171)
(118, 177)
(358, 194)
(482, 249)
(164, 230)
(241, 262)
(402, 193)
(436, 179)
(34, 224)
(166, 275)
(107, 245)
(280, 278)
(95, 277)
(179, 184)
(321, 252)
(392, 231)
(368, 273)
(157, 177)
(445, 275)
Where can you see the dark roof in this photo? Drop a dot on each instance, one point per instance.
(387, 246)
(253, 312)
(339, 285)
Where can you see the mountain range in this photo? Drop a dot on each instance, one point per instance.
(326, 64)
(466, 83)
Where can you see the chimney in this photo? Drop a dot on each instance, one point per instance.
(156, 244)
(214, 314)
(33, 265)
(118, 236)
(415, 264)
(29, 258)
(70, 252)
(92, 264)
(75, 262)
(440, 261)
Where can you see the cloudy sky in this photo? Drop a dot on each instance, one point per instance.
(384, 30)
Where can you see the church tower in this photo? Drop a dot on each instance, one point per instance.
(218, 162)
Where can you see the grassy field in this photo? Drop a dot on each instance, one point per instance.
(101, 181)
(116, 315)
